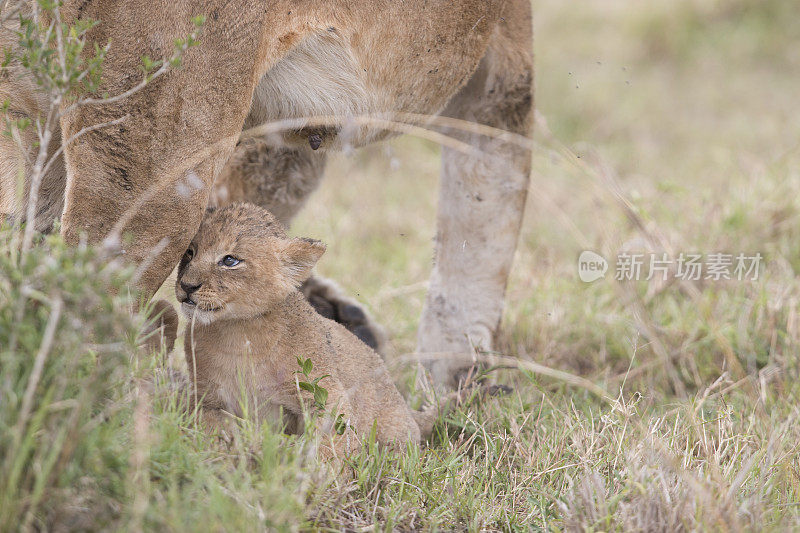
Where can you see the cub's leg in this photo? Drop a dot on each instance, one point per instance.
(365, 405)
(330, 300)
(481, 201)
(281, 180)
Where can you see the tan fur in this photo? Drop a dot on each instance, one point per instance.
(259, 61)
(249, 324)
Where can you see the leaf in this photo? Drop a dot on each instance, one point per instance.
(321, 397)
(307, 387)
(340, 424)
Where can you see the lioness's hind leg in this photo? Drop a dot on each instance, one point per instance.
(278, 179)
(481, 202)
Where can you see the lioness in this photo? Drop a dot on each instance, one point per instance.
(153, 174)
(238, 284)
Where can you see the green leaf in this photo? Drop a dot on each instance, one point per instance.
(307, 387)
(340, 424)
(321, 397)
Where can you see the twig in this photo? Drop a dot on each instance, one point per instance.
(151, 256)
(395, 118)
(282, 125)
(37, 175)
(361, 120)
(130, 92)
(165, 67)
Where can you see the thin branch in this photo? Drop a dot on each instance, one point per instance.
(37, 175)
(165, 67)
(130, 92)
(9, 10)
(397, 118)
(361, 120)
(62, 56)
(15, 135)
(113, 236)
(155, 251)
(38, 367)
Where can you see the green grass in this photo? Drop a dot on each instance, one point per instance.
(689, 109)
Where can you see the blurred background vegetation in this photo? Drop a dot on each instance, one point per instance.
(688, 110)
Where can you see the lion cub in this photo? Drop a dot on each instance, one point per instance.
(238, 284)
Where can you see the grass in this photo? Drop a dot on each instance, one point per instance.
(684, 117)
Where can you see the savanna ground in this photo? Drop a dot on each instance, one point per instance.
(665, 126)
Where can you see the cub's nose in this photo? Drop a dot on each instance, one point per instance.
(189, 289)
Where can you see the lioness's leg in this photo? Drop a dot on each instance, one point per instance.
(278, 179)
(19, 149)
(481, 201)
(151, 174)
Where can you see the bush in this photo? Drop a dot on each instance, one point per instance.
(66, 341)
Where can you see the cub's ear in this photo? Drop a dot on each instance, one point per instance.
(299, 257)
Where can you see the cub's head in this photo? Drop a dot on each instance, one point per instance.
(241, 264)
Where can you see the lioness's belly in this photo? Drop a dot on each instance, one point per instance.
(412, 59)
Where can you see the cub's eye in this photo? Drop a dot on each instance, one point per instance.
(229, 261)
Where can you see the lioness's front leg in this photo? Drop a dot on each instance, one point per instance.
(150, 175)
(481, 202)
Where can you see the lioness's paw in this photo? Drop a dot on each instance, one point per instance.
(330, 301)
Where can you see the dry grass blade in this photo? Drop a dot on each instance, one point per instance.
(502, 361)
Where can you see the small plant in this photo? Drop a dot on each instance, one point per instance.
(312, 385)
(319, 392)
